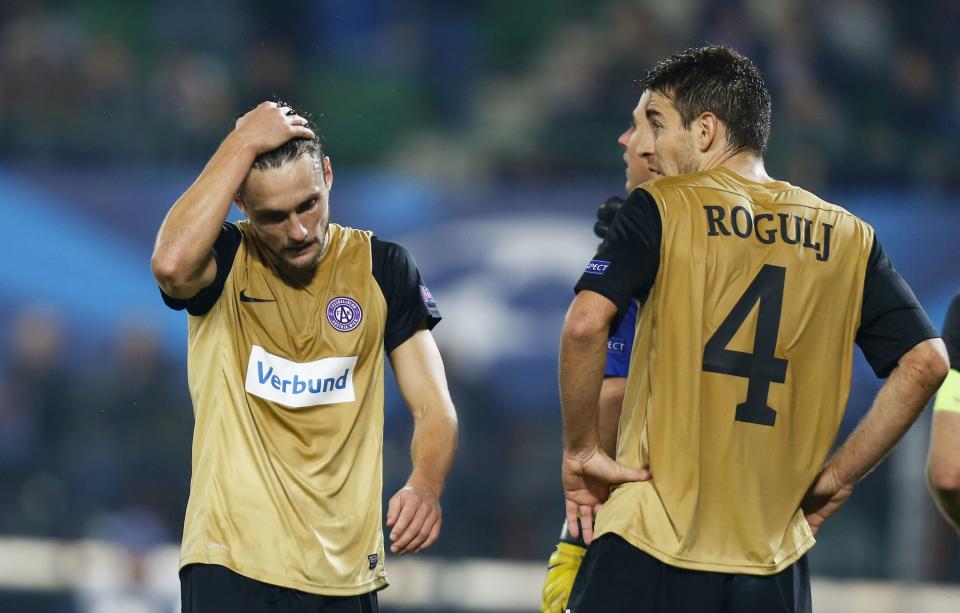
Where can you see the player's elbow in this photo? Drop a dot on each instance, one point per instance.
(588, 318)
(928, 362)
(164, 269)
(173, 276)
(582, 327)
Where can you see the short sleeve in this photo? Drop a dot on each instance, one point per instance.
(891, 321)
(626, 263)
(224, 250)
(620, 345)
(410, 304)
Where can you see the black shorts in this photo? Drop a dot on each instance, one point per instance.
(616, 577)
(208, 588)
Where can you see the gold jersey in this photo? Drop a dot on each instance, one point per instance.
(740, 371)
(287, 389)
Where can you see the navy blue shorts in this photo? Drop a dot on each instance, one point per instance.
(209, 588)
(616, 577)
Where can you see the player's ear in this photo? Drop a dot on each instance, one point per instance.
(327, 171)
(708, 131)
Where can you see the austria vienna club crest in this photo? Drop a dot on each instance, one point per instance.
(344, 313)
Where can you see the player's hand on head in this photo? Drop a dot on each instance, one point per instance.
(587, 478)
(606, 213)
(414, 515)
(823, 498)
(270, 125)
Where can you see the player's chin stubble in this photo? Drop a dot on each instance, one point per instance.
(294, 265)
(321, 242)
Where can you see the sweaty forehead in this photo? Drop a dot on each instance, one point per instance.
(285, 186)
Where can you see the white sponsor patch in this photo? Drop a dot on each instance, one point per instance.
(297, 385)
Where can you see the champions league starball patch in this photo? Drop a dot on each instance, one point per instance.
(344, 313)
(427, 296)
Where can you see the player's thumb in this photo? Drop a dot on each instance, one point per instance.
(624, 474)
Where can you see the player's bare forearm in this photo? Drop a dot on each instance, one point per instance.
(423, 383)
(582, 351)
(898, 404)
(611, 403)
(943, 465)
(587, 472)
(182, 251)
(435, 427)
(433, 447)
(414, 512)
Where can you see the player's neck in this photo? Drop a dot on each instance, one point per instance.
(745, 163)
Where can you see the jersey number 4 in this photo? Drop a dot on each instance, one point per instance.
(760, 367)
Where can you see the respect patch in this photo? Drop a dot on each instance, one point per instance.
(597, 267)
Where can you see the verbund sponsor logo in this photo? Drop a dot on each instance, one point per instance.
(298, 385)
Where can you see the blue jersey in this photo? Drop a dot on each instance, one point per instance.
(620, 345)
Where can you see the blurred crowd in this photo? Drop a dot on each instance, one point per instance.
(93, 444)
(864, 91)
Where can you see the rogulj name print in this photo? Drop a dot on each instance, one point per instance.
(769, 228)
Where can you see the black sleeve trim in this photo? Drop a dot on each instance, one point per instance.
(891, 321)
(625, 266)
(410, 305)
(951, 332)
(224, 250)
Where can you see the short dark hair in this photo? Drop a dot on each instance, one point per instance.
(292, 150)
(719, 80)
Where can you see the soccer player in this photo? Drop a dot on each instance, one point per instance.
(565, 561)
(943, 464)
(290, 317)
(756, 292)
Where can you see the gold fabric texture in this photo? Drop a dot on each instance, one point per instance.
(287, 490)
(753, 278)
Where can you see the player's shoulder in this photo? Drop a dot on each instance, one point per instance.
(693, 179)
(346, 233)
(723, 180)
(388, 247)
(797, 195)
(664, 189)
(717, 178)
(669, 192)
(389, 254)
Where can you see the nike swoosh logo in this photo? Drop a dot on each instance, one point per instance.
(552, 566)
(245, 298)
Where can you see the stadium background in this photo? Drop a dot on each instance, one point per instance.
(479, 134)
